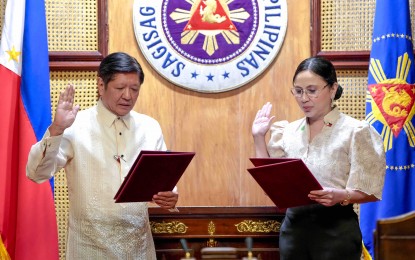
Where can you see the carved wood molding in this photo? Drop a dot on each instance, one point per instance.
(252, 226)
(171, 227)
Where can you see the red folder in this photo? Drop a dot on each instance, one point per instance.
(153, 171)
(286, 181)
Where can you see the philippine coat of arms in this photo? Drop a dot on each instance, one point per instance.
(210, 45)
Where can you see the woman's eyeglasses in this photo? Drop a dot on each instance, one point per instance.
(310, 92)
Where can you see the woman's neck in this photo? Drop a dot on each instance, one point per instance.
(315, 126)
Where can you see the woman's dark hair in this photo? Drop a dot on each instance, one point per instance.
(322, 67)
(119, 62)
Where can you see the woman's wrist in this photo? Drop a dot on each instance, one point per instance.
(346, 200)
(259, 136)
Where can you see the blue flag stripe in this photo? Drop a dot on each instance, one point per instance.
(35, 87)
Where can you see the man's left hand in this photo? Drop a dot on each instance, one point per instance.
(166, 199)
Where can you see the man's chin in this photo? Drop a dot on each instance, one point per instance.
(124, 111)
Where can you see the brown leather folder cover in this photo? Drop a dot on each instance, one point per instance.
(153, 171)
(286, 181)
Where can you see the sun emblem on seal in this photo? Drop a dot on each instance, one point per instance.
(210, 31)
(210, 18)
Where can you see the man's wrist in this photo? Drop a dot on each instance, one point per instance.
(175, 209)
(55, 130)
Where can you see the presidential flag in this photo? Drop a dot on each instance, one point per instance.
(28, 228)
(390, 109)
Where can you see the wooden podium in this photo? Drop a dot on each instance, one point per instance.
(216, 227)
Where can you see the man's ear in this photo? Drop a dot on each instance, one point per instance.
(101, 86)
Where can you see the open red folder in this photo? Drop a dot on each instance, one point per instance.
(153, 171)
(286, 181)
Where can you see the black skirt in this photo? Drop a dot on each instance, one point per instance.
(317, 232)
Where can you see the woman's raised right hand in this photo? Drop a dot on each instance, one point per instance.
(262, 121)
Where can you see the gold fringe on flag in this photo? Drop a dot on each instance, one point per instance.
(3, 252)
(366, 255)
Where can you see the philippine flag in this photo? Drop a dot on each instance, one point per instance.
(28, 228)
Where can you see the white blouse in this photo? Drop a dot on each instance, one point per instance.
(99, 228)
(347, 153)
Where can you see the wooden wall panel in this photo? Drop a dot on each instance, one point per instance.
(216, 126)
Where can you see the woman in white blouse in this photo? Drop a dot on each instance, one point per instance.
(345, 155)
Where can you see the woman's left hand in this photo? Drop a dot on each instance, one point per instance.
(328, 196)
(166, 199)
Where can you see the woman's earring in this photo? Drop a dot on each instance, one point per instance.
(332, 101)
